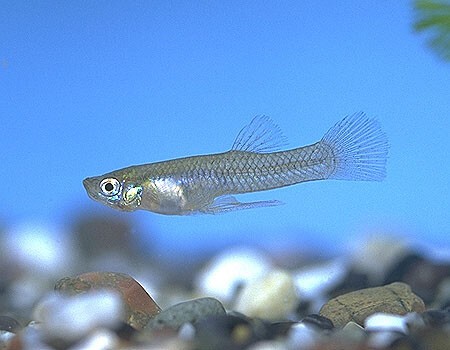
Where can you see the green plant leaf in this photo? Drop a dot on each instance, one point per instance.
(433, 16)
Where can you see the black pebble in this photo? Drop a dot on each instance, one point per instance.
(9, 324)
(220, 332)
(436, 318)
(125, 331)
(402, 267)
(318, 321)
(406, 342)
(303, 308)
(446, 305)
(280, 329)
(354, 280)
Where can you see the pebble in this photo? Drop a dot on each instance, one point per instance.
(37, 248)
(414, 321)
(443, 295)
(383, 321)
(5, 338)
(353, 280)
(422, 275)
(383, 339)
(101, 339)
(426, 339)
(187, 331)
(353, 332)
(125, 332)
(9, 324)
(377, 254)
(99, 235)
(402, 267)
(71, 317)
(271, 297)
(189, 311)
(302, 336)
(260, 327)
(315, 281)
(25, 291)
(268, 345)
(228, 332)
(30, 338)
(436, 318)
(139, 306)
(318, 321)
(280, 329)
(395, 298)
(394, 317)
(229, 270)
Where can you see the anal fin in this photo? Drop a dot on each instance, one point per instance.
(225, 204)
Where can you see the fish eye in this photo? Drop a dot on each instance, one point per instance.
(110, 186)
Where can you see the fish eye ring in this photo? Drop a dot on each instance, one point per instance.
(110, 186)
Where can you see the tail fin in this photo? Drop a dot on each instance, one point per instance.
(360, 148)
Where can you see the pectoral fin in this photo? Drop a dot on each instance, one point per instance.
(225, 204)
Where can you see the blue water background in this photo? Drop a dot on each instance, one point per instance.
(90, 87)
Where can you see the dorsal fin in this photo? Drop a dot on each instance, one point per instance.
(261, 135)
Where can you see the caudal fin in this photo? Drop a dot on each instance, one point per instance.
(359, 147)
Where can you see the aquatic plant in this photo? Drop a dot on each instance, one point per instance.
(434, 16)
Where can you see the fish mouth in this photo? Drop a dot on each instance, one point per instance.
(89, 184)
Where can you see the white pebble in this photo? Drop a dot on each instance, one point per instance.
(353, 331)
(27, 290)
(31, 339)
(301, 337)
(101, 339)
(268, 345)
(377, 254)
(71, 317)
(38, 249)
(386, 322)
(414, 320)
(314, 281)
(270, 297)
(186, 331)
(382, 339)
(230, 269)
(5, 338)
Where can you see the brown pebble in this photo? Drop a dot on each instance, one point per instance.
(395, 298)
(140, 307)
(15, 344)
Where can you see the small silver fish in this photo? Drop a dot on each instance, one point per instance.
(354, 149)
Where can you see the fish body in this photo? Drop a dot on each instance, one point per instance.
(354, 149)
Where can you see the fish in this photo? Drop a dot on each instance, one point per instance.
(356, 148)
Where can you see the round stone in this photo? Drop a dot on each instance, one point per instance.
(436, 318)
(189, 311)
(140, 307)
(9, 324)
(396, 298)
(270, 297)
(232, 268)
(65, 319)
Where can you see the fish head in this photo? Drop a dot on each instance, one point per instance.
(114, 190)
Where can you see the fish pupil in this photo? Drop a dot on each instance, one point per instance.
(109, 187)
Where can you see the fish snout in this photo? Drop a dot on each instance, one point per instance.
(87, 183)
